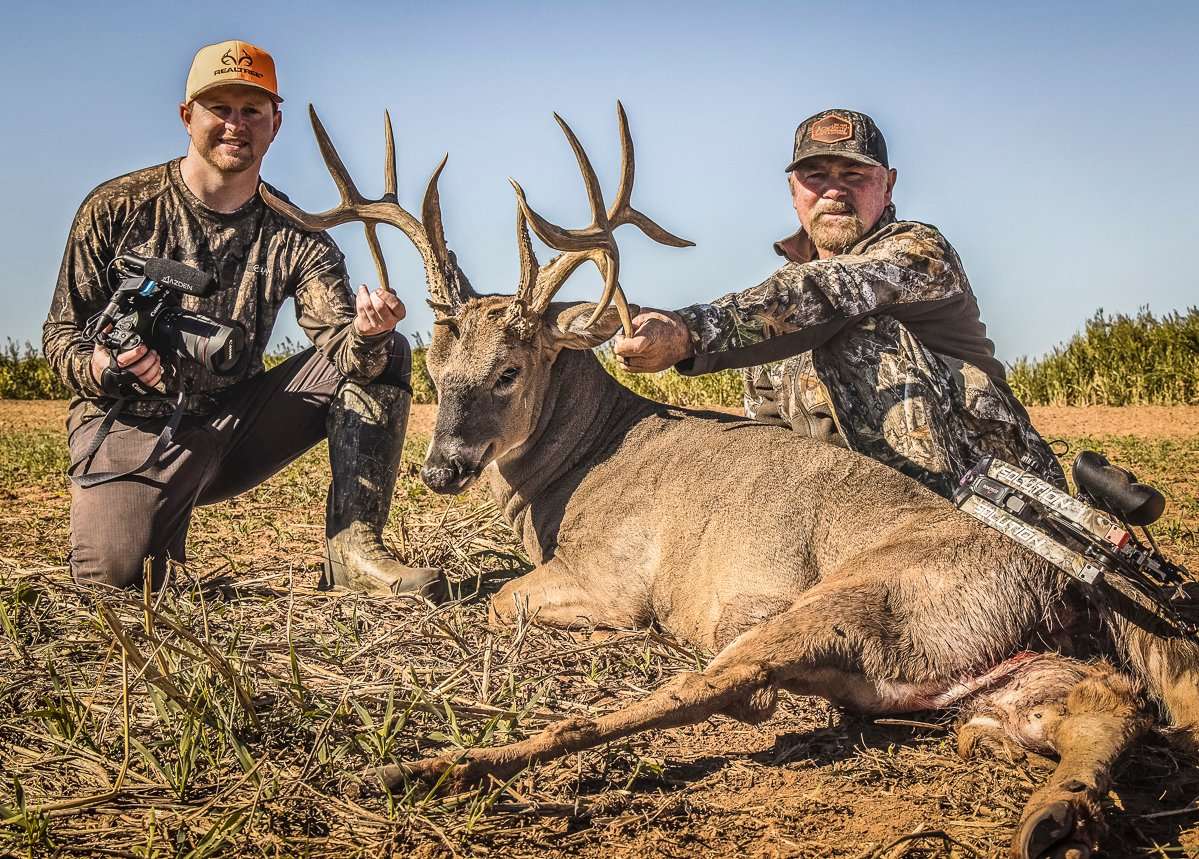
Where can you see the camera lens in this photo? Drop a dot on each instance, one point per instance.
(216, 346)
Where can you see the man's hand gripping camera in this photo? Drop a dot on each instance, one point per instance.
(144, 309)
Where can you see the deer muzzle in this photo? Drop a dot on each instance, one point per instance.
(452, 473)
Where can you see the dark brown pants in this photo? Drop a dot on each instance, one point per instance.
(262, 425)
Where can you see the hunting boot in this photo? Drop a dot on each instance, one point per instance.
(366, 437)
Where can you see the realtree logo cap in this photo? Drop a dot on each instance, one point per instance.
(232, 62)
(846, 133)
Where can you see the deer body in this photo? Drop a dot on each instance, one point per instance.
(707, 524)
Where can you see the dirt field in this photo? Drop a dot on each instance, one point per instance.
(235, 714)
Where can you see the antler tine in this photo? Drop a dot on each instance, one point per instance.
(528, 258)
(454, 285)
(624, 193)
(595, 196)
(372, 241)
(610, 269)
(390, 191)
(337, 168)
(431, 216)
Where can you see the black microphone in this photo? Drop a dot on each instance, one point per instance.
(171, 274)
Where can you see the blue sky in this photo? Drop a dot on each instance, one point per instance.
(1052, 143)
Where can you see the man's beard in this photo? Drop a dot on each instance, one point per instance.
(836, 234)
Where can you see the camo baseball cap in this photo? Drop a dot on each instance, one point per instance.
(846, 133)
(231, 62)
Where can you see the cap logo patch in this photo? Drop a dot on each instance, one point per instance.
(831, 129)
(228, 59)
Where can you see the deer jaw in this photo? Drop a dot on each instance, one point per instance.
(493, 382)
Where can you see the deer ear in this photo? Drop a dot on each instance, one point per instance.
(568, 324)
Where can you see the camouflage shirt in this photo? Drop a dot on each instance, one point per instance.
(259, 260)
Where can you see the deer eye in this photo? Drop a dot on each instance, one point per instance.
(507, 378)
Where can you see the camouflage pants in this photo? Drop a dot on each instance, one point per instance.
(877, 390)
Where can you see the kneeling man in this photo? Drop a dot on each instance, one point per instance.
(141, 463)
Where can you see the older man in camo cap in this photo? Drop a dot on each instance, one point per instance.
(868, 336)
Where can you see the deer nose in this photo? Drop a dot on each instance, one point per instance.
(446, 475)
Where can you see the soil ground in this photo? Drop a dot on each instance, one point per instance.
(99, 758)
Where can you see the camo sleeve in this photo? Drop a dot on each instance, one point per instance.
(82, 290)
(325, 310)
(906, 270)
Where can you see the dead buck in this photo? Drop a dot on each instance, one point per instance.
(805, 567)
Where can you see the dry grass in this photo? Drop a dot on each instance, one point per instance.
(236, 712)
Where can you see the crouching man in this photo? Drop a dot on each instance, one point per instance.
(141, 463)
(869, 336)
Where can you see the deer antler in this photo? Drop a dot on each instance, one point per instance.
(448, 287)
(539, 284)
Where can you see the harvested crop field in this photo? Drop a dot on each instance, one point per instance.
(236, 712)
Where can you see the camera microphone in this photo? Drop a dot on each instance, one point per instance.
(171, 274)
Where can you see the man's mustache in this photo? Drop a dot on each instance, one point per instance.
(835, 209)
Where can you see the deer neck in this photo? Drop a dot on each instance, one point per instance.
(584, 410)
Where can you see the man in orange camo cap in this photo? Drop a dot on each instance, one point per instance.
(238, 427)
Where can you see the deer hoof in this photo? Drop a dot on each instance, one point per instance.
(395, 776)
(1055, 829)
(448, 773)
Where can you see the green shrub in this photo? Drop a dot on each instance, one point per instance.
(26, 375)
(422, 383)
(714, 389)
(1118, 361)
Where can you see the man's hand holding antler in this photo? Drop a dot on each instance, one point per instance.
(377, 312)
(660, 340)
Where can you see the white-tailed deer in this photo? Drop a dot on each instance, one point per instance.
(806, 567)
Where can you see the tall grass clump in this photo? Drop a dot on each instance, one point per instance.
(1118, 360)
(723, 388)
(26, 375)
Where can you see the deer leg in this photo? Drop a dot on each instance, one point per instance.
(1087, 715)
(1170, 667)
(805, 642)
(689, 698)
(552, 596)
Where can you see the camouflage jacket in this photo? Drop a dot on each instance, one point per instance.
(259, 259)
(902, 268)
(814, 311)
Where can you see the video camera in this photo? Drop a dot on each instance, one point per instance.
(1090, 537)
(145, 309)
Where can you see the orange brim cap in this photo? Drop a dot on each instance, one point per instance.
(232, 62)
